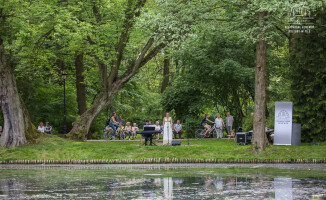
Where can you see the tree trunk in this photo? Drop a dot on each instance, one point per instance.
(80, 83)
(17, 129)
(82, 125)
(166, 73)
(259, 139)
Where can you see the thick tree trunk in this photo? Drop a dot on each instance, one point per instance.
(82, 125)
(259, 139)
(80, 83)
(166, 74)
(17, 127)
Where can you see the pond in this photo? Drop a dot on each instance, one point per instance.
(94, 182)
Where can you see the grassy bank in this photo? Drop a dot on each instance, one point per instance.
(55, 148)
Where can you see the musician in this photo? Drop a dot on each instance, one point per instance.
(150, 136)
(167, 129)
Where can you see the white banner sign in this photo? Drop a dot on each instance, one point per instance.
(283, 123)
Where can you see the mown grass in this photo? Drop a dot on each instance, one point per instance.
(56, 148)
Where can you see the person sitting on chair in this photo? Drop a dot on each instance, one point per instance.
(127, 129)
(158, 128)
(149, 136)
(177, 129)
(120, 131)
(134, 129)
(205, 125)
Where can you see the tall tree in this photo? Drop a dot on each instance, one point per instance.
(18, 128)
(113, 81)
(259, 139)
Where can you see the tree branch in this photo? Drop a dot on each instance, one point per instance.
(283, 32)
(141, 61)
(131, 13)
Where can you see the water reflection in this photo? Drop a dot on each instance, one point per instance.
(115, 184)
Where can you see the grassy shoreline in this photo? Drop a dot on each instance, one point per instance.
(51, 147)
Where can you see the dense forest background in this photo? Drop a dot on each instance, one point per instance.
(206, 66)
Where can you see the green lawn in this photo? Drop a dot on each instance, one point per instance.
(55, 148)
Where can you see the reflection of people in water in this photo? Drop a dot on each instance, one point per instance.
(177, 181)
(168, 188)
(218, 183)
(208, 182)
(157, 182)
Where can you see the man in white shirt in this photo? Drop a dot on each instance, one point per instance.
(177, 129)
(229, 122)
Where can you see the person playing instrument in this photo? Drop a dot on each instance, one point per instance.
(167, 129)
(205, 125)
(134, 129)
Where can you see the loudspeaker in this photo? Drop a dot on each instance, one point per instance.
(176, 143)
(243, 138)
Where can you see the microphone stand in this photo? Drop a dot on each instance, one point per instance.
(188, 128)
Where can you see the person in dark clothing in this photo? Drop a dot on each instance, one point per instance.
(204, 123)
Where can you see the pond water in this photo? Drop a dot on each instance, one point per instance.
(161, 183)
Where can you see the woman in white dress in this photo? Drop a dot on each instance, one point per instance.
(167, 129)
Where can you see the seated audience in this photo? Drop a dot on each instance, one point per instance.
(134, 129)
(120, 120)
(120, 131)
(157, 128)
(177, 129)
(48, 128)
(41, 127)
(127, 129)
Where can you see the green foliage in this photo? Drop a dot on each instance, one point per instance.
(248, 122)
(44, 101)
(217, 75)
(308, 76)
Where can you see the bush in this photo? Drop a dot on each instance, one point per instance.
(248, 122)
